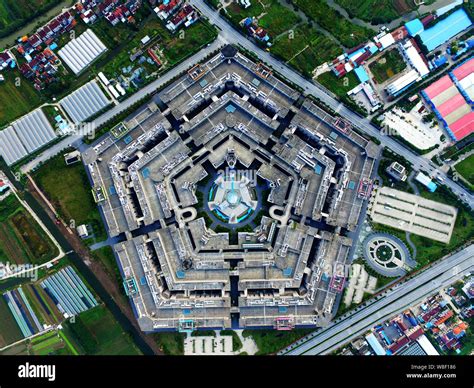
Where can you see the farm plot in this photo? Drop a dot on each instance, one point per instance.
(344, 31)
(69, 292)
(306, 49)
(387, 66)
(379, 11)
(21, 239)
(98, 333)
(9, 330)
(52, 343)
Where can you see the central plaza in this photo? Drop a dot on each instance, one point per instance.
(233, 199)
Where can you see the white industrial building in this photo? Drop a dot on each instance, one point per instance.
(427, 346)
(401, 83)
(414, 58)
(25, 136)
(79, 53)
(85, 102)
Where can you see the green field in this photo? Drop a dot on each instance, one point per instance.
(98, 333)
(15, 13)
(277, 18)
(388, 65)
(271, 341)
(236, 13)
(16, 100)
(466, 169)
(306, 50)
(347, 33)
(68, 188)
(53, 343)
(339, 86)
(377, 11)
(21, 239)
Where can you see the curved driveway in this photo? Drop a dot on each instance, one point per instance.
(398, 298)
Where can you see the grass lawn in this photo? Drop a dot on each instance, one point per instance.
(388, 65)
(466, 169)
(347, 33)
(307, 49)
(106, 256)
(68, 188)
(236, 342)
(176, 49)
(16, 101)
(98, 333)
(339, 86)
(271, 341)
(171, 343)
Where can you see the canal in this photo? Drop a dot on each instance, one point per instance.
(10, 40)
(81, 267)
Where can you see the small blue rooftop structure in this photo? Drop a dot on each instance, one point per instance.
(432, 187)
(373, 49)
(414, 27)
(445, 29)
(53, 47)
(426, 181)
(230, 108)
(440, 61)
(361, 74)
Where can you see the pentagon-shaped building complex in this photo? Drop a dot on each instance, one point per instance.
(233, 199)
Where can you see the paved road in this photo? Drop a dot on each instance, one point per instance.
(229, 34)
(124, 105)
(441, 274)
